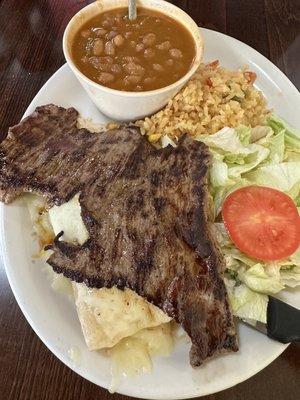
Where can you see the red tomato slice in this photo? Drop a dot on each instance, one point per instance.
(262, 222)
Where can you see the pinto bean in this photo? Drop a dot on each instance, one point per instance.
(115, 69)
(119, 40)
(100, 32)
(109, 48)
(98, 47)
(149, 53)
(105, 60)
(169, 62)
(139, 47)
(164, 45)
(158, 67)
(111, 35)
(175, 53)
(134, 69)
(149, 39)
(130, 59)
(105, 77)
(132, 79)
(94, 61)
(149, 81)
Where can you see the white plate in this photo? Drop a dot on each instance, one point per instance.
(53, 316)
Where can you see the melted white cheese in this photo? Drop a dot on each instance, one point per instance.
(132, 355)
(67, 218)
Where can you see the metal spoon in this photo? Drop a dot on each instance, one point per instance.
(132, 9)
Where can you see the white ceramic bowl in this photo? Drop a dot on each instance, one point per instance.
(126, 106)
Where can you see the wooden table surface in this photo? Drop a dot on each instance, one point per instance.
(30, 52)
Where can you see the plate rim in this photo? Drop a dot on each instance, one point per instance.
(6, 263)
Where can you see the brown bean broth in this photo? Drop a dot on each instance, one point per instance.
(161, 48)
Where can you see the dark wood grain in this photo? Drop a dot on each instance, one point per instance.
(30, 52)
(248, 24)
(283, 26)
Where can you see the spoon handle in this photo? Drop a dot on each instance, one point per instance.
(132, 9)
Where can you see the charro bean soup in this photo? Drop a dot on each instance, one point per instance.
(148, 53)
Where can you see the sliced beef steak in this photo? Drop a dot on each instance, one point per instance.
(48, 155)
(146, 212)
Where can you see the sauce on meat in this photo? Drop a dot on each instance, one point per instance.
(148, 53)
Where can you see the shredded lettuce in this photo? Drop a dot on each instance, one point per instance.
(219, 172)
(246, 303)
(291, 135)
(291, 277)
(282, 176)
(261, 134)
(234, 149)
(276, 147)
(258, 280)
